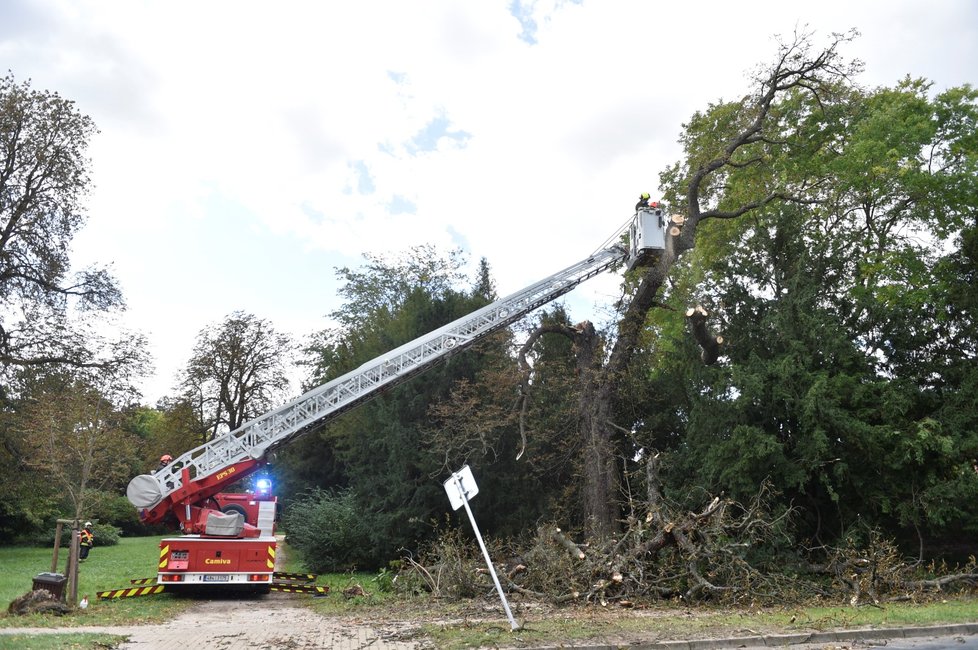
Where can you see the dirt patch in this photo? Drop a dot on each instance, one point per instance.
(274, 621)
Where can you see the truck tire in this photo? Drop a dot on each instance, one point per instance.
(234, 508)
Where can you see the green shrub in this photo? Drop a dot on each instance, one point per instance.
(105, 535)
(328, 531)
(449, 566)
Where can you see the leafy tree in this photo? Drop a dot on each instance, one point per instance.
(836, 383)
(43, 179)
(174, 428)
(238, 370)
(50, 319)
(484, 284)
(71, 431)
(29, 500)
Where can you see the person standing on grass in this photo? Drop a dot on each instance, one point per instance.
(86, 540)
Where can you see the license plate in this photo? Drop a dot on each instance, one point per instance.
(217, 578)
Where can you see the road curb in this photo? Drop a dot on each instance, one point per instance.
(785, 640)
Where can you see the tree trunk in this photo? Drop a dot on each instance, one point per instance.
(601, 479)
(601, 474)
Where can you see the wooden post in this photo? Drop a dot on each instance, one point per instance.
(57, 545)
(73, 591)
(71, 567)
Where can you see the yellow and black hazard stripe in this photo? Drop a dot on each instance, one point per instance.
(300, 589)
(164, 553)
(270, 561)
(130, 592)
(142, 581)
(305, 577)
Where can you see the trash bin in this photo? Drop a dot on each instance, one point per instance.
(53, 582)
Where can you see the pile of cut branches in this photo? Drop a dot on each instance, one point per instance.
(875, 572)
(725, 552)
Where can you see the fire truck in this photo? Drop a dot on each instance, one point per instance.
(228, 540)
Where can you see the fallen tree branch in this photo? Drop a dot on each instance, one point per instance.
(943, 581)
(568, 544)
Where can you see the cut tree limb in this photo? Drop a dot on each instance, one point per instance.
(706, 339)
(943, 581)
(568, 544)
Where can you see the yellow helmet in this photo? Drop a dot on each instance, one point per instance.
(645, 196)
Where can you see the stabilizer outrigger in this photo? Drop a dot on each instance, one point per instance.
(292, 583)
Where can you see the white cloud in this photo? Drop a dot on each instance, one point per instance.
(247, 148)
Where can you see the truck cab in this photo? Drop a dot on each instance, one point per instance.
(258, 508)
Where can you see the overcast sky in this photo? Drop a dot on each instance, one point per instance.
(247, 149)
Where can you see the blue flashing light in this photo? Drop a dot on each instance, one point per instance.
(264, 485)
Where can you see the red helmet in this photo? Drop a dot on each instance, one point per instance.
(166, 458)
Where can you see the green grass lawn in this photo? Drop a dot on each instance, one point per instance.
(107, 567)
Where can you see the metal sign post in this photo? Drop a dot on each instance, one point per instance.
(461, 487)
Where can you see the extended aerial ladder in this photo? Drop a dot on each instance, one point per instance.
(189, 486)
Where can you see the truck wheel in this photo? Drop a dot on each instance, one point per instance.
(234, 508)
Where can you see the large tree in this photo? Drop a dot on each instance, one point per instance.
(851, 352)
(53, 322)
(43, 180)
(791, 114)
(730, 140)
(239, 369)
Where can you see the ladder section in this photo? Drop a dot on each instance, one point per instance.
(255, 438)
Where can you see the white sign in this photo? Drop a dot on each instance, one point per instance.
(461, 487)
